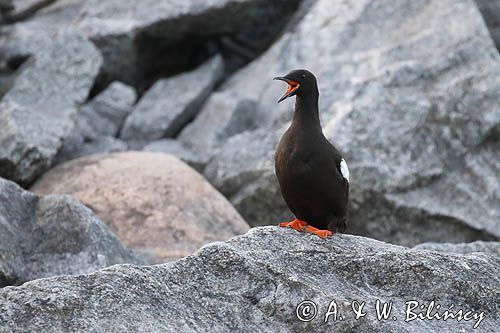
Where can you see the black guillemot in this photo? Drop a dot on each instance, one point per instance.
(313, 176)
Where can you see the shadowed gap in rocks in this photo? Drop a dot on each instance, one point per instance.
(8, 72)
(157, 56)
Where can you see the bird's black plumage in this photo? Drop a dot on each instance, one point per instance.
(313, 177)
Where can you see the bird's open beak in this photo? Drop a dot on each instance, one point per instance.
(292, 88)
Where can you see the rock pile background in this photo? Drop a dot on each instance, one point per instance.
(136, 132)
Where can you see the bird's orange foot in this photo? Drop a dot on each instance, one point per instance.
(295, 224)
(318, 232)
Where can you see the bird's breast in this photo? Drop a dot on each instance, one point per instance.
(292, 160)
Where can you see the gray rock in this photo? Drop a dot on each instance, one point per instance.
(399, 95)
(492, 248)
(25, 38)
(253, 283)
(76, 146)
(176, 148)
(171, 103)
(39, 110)
(222, 117)
(105, 114)
(249, 179)
(20, 5)
(101, 145)
(490, 9)
(52, 235)
(97, 124)
(92, 125)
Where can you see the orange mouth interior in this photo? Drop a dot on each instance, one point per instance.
(292, 85)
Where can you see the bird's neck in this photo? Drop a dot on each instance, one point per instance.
(306, 111)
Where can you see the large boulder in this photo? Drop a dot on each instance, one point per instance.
(399, 95)
(156, 204)
(52, 235)
(142, 41)
(39, 109)
(262, 282)
(171, 103)
(132, 34)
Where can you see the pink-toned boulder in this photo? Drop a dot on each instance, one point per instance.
(156, 204)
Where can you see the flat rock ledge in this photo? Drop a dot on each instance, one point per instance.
(255, 282)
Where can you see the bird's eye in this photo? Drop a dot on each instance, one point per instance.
(303, 75)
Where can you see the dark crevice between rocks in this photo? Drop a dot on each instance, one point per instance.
(152, 55)
(268, 25)
(164, 61)
(6, 6)
(155, 60)
(8, 71)
(490, 11)
(492, 137)
(7, 280)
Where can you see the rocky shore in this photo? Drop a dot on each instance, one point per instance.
(137, 172)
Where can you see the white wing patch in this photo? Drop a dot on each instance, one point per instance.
(344, 170)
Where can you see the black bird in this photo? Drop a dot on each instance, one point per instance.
(313, 176)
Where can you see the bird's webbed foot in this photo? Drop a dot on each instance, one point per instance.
(318, 232)
(295, 224)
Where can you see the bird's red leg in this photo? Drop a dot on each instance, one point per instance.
(318, 232)
(295, 224)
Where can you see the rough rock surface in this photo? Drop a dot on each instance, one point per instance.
(25, 38)
(104, 115)
(400, 97)
(167, 106)
(39, 109)
(492, 248)
(222, 117)
(154, 203)
(52, 235)
(179, 150)
(253, 283)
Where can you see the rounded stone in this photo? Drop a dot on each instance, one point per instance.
(156, 204)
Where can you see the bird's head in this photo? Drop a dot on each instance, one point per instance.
(301, 82)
